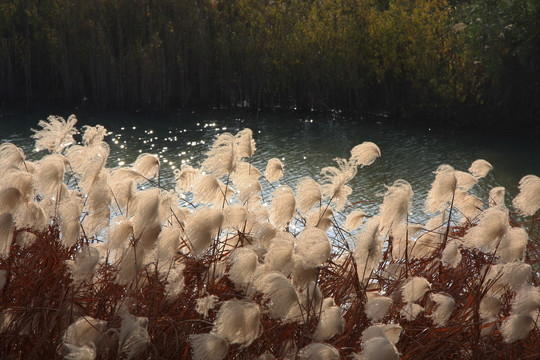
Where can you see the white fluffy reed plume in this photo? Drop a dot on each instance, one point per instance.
(496, 196)
(312, 247)
(513, 244)
(308, 194)
(516, 327)
(56, 133)
(469, 206)
(442, 189)
(245, 143)
(84, 332)
(527, 300)
(396, 205)
(49, 175)
(377, 307)
(414, 289)
(331, 322)
(201, 226)
(451, 255)
(365, 154)
(368, 250)
(480, 168)
(205, 304)
(279, 254)
(147, 165)
(445, 305)
(376, 345)
(243, 261)
(134, 338)
(11, 155)
(464, 180)
(320, 218)
(238, 322)
(31, 215)
(274, 170)
(410, 311)
(185, 177)
(527, 202)
(335, 186)
(84, 265)
(223, 157)
(207, 189)
(208, 346)
(175, 282)
(279, 292)
(85, 352)
(319, 351)
(283, 206)
(491, 227)
(10, 199)
(70, 214)
(20, 179)
(354, 220)
(6, 234)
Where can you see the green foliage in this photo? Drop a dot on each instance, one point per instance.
(419, 57)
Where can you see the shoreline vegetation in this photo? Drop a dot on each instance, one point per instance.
(105, 263)
(463, 64)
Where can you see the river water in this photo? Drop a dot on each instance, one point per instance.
(305, 144)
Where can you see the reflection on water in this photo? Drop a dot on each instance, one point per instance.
(305, 145)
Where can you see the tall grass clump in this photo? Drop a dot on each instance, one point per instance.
(101, 263)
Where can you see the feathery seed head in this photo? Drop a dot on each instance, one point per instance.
(442, 188)
(319, 351)
(516, 327)
(238, 322)
(283, 206)
(445, 306)
(527, 202)
(365, 154)
(309, 194)
(244, 262)
(496, 196)
(56, 133)
(185, 177)
(377, 307)
(480, 168)
(201, 226)
(147, 165)
(208, 346)
(312, 247)
(354, 220)
(274, 170)
(223, 157)
(245, 143)
(205, 304)
(134, 337)
(85, 331)
(6, 234)
(335, 180)
(396, 205)
(414, 289)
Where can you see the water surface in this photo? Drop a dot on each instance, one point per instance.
(305, 144)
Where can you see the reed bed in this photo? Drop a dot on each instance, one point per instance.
(99, 263)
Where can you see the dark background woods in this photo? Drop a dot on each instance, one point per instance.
(453, 62)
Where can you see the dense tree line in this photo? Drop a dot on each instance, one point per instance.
(430, 57)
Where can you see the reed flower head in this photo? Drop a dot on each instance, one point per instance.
(377, 307)
(85, 331)
(223, 157)
(134, 338)
(319, 351)
(244, 261)
(480, 168)
(335, 180)
(365, 154)
(6, 234)
(208, 346)
(283, 206)
(185, 177)
(414, 289)
(368, 250)
(308, 194)
(354, 219)
(238, 322)
(312, 247)
(11, 155)
(200, 228)
(527, 202)
(331, 322)
(442, 189)
(279, 291)
(445, 307)
(516, 327)
(396, 205)
(274, 170)
(245, 143)
(56, 133)
(496, 196)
